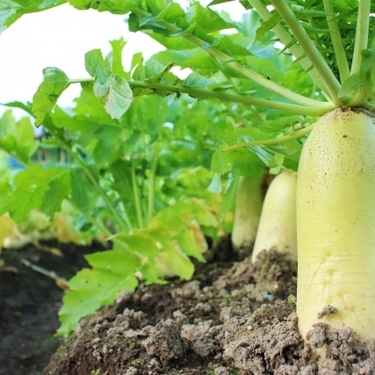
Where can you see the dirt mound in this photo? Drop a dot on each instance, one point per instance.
(232, 318)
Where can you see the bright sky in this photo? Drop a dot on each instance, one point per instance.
(60, 37)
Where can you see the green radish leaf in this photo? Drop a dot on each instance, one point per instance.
(88, 108)
(230, 191)
(112, 273)
(12, 10)
(33, 183)
(234, 45)
(351, 84)
(17, 138)
(146, 121)
(188, 243)
(193, 58)
(136, 60)
(195, 80)
(215, 185)
(105, 144)
(114, 58)
(84, 195)
(119, 98)
(122, 184)
(202, 215)
(267, 26)
(24, 106)
(172, 44)
(154, 70)
(267, 158)
(172, 261)
(58, 189)
(206, 18)
(170, 12)
(139, 73)
(215, 2)
(54, 83)
(88, 88)
(155, 246)
(220, 163)
(280, 161)
(367, 71)
(8, 13)
(97, 67)
(140, 241)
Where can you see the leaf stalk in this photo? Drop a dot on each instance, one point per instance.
(362, 32)
(137, 201)
(309, 48)
(207, 94)
(286, 38)
(342, 61)
(228, 61)
(264, 142)
(319, 108)
(98, 188)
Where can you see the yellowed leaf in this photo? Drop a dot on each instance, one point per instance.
(6, 227)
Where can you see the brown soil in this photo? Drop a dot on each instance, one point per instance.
(232, 318)
(29, 302)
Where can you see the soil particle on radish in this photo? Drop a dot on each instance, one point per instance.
(343, 354)
(328, 310)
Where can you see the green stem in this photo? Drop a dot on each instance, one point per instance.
(263, 81)
(98, 188)
(206, 94)
(226, 74)
(263, 142)
(228, 61)
(361, 36)
(309, 48)
(91, 219)
(125, 214)
(340, 55)
(137, 201)
(151, 191)
(81, 80)
(285, 38)
(317, 110)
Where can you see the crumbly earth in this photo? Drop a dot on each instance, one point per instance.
(232, 318)
(29, 302)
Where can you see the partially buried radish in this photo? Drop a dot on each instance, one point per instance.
(277, 226)
(249, 200)
(336, 224)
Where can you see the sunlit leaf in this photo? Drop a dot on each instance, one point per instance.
(352, 83)
(33, 183)
(196, 80)
(54, 83)
(17, 138)
(112, 273)
(119, 98)
(12, 10)
(97, 67)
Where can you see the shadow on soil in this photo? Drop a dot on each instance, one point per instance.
(232, 318)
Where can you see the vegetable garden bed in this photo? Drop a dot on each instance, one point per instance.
(161, 162)
(234, 317)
